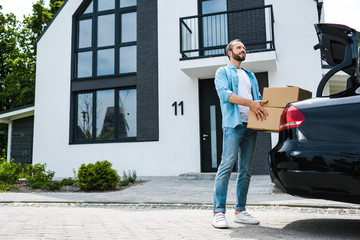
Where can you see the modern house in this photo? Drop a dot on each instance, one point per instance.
(131, 81)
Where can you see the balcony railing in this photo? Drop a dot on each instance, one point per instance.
(207, 35)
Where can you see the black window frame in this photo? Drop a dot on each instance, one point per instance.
(118, 12)
(117, 81)
(94, 139)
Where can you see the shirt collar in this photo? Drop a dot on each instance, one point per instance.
(231, 66)
(234, 67)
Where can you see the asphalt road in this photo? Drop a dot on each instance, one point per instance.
(170, 221)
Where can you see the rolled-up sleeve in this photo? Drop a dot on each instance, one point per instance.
(222, 85)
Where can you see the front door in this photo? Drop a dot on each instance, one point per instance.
(211, 130)
(210, 126)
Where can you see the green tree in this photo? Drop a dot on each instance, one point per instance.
(18, 56)
(9, 52)
(18, 53)
(9, 55)
(34, 25)
(55, 5)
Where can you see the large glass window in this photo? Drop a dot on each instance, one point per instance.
(127, 113)
(84, 64)
(127, 3)
(214, 27)
(128, 27)
(84, 116)
(101, 28)
(106, 30)
(105, 114)
(127, 59)
(85, 33)
(113, 119)
(104, 106)
(89, 9)
(105, 64)
(106, 5)
(213, 6)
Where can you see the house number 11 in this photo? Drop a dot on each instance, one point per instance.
(181, 105)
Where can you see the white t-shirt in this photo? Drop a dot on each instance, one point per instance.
(245, 92)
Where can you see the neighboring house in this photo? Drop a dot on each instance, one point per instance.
(20, 123)
(131, 81)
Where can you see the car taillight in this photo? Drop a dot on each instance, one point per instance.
(291, 117)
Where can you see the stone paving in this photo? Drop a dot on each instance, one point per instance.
(172, 208)
(152, 221)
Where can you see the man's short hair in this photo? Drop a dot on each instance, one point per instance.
(229, 47)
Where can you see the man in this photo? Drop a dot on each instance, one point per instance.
(238, 92)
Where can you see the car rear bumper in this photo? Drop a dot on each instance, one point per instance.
(317, 170)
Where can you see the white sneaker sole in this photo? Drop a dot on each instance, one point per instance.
(224, 227)
(244, 222)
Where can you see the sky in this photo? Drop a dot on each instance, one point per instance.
(342, 12)
(19, 7)
(336, 11)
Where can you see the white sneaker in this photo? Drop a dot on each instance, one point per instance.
(219, 221)
(245, 217)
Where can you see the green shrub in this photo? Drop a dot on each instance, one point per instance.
(68, 181)
(2, 156)
(6, 187)
(97, 177)
(55, 185)
(12, 175)
(127, 178)
(132, 176)
(124, 182)
(37, 176)
(9, 172)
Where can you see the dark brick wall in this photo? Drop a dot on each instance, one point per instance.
(263, 142)
(241, 4)
(147, 71)
(242, 25)
(262, 78)
(22, 140)
(262, 148)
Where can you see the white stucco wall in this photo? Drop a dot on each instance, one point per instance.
(178, 148)
(295, 36)
(52, 95)
(298, 63)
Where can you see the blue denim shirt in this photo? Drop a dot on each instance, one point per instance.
(226, 83)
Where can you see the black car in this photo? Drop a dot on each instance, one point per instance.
(318, 153)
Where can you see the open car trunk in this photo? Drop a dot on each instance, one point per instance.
(339, 48)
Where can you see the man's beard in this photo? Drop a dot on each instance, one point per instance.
(237, 57)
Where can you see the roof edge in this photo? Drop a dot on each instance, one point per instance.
(53, 19)
(17, 113)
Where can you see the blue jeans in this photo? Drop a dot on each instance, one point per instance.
(238, 144)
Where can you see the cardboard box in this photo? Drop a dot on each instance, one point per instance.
(270, 124)
(280, 96)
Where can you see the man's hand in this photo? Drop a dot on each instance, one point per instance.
(259, 112)
(255, 106)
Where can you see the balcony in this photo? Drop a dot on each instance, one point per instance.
(204, 37)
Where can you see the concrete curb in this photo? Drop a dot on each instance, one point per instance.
(175, 191)
(177, 206)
